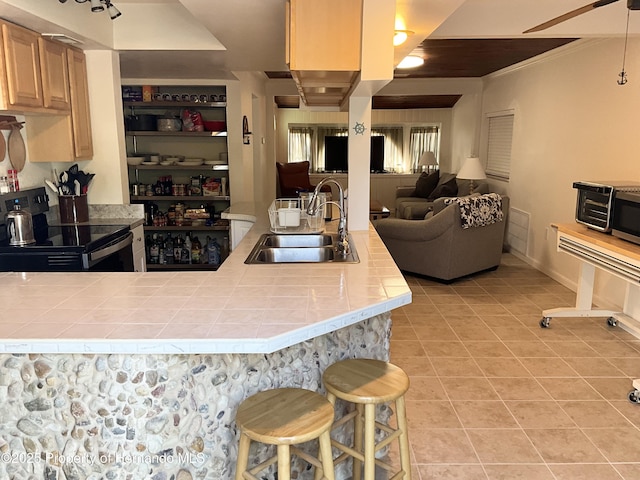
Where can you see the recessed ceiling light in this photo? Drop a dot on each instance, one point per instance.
(400, 36)
(411, 61)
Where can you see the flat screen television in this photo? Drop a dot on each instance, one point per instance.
(336, 154)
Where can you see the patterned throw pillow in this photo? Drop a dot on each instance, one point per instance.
(479, 211)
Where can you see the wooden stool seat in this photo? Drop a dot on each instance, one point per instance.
(284, 417)
(367, 383)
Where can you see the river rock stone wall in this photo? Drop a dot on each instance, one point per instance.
(159, 417)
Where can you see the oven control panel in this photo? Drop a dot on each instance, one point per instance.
(35, 200)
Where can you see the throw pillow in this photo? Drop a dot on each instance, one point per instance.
(426, 183)
(447, 189)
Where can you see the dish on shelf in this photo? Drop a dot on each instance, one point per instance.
(166, 163)
(191, 162)
(135, 160)
(150, 162)
(215, 162)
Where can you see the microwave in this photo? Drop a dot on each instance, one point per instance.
(625, 223)
(595, 202)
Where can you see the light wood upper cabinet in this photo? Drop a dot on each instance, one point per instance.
(324, 34)
(64, 138)
(55, 74)
(323, 50)
(80, 114)
(22, 68)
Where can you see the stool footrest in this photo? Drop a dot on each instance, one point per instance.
(250, 474)
(349, 416)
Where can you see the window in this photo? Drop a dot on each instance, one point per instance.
(326, 131)
(392, 146)
(499, 140)
(300, 144)
(423, 139)
(307, 143)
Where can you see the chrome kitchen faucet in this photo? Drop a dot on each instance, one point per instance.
(312, 208)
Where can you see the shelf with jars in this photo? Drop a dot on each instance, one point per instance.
(177, 252)
(178, 168)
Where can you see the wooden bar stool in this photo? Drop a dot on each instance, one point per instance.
(284, 417)
(367, 383)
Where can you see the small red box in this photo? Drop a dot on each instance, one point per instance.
(215, 126)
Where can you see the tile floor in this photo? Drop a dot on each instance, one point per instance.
(494, 396)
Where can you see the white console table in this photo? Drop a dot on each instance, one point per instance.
(613, 255)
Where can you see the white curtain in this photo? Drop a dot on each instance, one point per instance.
(392, 147)
(300, 144)
(423, 139)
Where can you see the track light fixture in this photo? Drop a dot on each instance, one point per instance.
(113, 11)
(100, 6)
(96, 6)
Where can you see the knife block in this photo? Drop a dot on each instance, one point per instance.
(73, 208)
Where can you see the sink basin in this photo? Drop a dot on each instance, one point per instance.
(311, 240)
(311, 248)
(295, 255)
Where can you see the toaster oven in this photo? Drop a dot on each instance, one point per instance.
(594, 205)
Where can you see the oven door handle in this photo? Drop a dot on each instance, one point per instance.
(111, 248)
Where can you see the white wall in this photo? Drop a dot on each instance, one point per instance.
(572, 122)
(111, 184)
(253, 183)
(465, 128)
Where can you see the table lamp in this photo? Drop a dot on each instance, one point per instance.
(471, 170)
(427, 160)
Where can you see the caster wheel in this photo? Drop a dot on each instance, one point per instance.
(612, 322)
(544, 323)
(634, 396)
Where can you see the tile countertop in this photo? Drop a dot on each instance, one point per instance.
(238, 309)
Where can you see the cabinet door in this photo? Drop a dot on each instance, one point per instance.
(55, 74)
(324, 35)
(80, 115)
(22, 66)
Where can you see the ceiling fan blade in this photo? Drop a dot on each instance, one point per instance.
(569, 15)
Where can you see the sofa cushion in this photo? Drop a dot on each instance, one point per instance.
(426, 183)
(447, 189)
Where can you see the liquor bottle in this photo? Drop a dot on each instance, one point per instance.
(186, 249)
(168, 250)
(154, 250)
(224, 249)
(177, 249)
(162, 259)
(196, 251)
(213, 249)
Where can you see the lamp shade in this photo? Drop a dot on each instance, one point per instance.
(427, 159)
(471, 170)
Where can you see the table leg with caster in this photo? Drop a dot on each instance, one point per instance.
(584, 299)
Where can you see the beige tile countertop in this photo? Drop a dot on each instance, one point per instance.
(238, 309)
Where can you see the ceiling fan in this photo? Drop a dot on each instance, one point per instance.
(631, 5)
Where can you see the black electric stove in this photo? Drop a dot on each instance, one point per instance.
(63, 247)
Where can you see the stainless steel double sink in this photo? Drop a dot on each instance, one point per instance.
(300, 248)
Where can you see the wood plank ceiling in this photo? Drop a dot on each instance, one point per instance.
(451, 58)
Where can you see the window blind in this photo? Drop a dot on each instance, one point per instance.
(500, 138)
